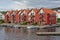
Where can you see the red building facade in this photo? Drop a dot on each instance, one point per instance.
(39, 16)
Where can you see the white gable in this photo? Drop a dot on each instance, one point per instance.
(19, 12)
(58, 15)
(58, 10)
(12, 13)
(7, 13)
(32, 12)
(41, 11)
(23, 13)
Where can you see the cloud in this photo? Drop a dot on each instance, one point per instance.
(3, 8)
(23, 4)
(20, 5)
(39, 3)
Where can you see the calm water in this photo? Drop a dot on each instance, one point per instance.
(23, 34)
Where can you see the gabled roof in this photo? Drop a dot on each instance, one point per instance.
(15, 11)
(35, 10)
(20, 11)
(9, 12)
(27, 11)
(48, 11)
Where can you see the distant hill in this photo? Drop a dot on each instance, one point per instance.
(57, 8)
(3, 12)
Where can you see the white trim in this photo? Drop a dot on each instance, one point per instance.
(7, 13)
(23, 12)
(58, 15)
(13, 14)
(32, 12)
(19, 13)
(41, 11)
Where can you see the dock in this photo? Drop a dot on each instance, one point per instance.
(49, 26)
(48, 33)
(30, 26)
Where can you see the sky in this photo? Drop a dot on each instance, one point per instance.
(24, 4)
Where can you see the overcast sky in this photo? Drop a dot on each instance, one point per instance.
(23, 4)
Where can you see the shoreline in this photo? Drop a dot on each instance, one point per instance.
(38, 26)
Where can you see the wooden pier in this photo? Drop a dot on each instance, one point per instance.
(48, 33)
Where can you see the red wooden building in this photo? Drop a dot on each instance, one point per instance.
(39, 16)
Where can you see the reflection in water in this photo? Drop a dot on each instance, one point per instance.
(22, 34)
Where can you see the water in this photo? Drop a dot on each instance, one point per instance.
(23, 34)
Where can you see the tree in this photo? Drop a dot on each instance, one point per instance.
(3, 12)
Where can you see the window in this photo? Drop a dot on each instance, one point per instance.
(41, 12)
(0, 15)
(32, 13)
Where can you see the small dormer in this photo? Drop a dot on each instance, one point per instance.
(31, 13)
(41, 11)
(23, 12)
